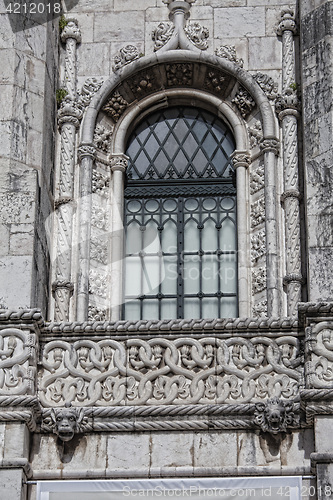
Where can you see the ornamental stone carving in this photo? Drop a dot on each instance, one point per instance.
(256, 134)
(258, 246)
(88, 90)
(259, 309)
(100, 183)
(241, 159)
(86, 151)
(319, 350)
(18, 362)
(179, 74)
(257, 179)
(270, 145)
(244, 102)
(99, 217)
(144, 83)
(267, 84)
(99, 251)
(215, 81)
(229, 52)
(119, 162)
(97, 283)
(162, 34)
(287, 103)
(258, 280)
(115, 106)
(69, 112)
(102, 137)
(159, 371)
(198, 35)
(71, 30)
(126, 55)
(287, 22)
(65, 422)
(96, 313)
(257, 212)
(275, 415)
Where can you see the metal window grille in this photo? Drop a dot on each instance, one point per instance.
(180, 218)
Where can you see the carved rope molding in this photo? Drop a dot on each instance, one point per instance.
(286, 107)
(160, 371)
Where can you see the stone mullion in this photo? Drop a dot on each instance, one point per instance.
(69, 121)
(87, 154)
(118, 168)
(286, 106)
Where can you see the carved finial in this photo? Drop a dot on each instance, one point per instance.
(287, 22)
(71, 30)
(191, 37)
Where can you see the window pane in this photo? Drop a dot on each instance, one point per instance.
(133, 276)
(150, 309)
(151, 275)
(191, 274)
(169, 283)
(210, 307)
(229, 307)
(209, 235)
(228, 273)
(191, 308)
(209, 274)
(132, 310)
(169, 308)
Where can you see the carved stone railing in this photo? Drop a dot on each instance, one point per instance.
(166, 375)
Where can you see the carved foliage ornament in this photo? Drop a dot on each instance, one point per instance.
(275, 415)
(162, 34)
(125, 56)
(115, 106)
(229, 52)
(267, 84)
(88, 90)
(102, 137)
(244, 102)
(179, 74)
(198, 35)
(71, 30)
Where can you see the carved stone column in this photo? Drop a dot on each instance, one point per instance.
(71, 36)
(118, 168)
(241, 161)
(287, 108)
(86, 154)
(69, 120)
(62, 287)
(270, 148)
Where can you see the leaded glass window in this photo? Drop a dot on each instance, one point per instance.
(180, 218)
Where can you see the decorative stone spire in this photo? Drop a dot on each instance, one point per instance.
(184, 36)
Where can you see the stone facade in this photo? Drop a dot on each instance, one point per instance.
(85, 394)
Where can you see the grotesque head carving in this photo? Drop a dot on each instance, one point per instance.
(66, 422)
(274, 416)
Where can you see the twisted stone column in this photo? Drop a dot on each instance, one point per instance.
(287, 108)
(62, 287)
(68, 120)
(71, 36)
(118, 168)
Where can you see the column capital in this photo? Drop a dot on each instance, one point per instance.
(69, 112)
(287, 22)
(62, 284)
(71, 30)
(270, 145)
(241, 159)
(86, 151)
(118, 162)
(287, 103)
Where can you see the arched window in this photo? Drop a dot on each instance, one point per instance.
(180, 218)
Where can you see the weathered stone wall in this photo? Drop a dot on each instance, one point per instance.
(28, 77)
(317, 74)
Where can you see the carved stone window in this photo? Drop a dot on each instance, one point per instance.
(180, 218)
